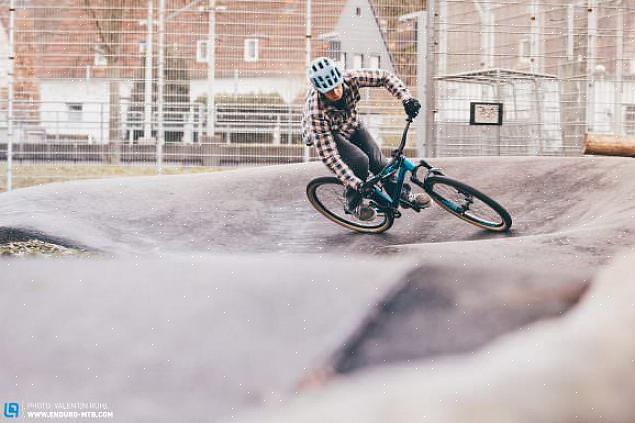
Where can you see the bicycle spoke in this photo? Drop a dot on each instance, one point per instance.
(332, 197)
(464, 203)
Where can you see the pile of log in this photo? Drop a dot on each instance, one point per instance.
(609, 145)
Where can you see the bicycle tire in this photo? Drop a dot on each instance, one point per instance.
(435, 186)
(326, 195)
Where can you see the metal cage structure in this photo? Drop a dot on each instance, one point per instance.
(216, 83)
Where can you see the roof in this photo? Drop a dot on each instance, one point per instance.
(494, 74)
(68, 36)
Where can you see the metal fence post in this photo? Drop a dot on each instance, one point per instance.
(443, 36)
(289, 126)
(160, 82)
(211, 68)
(619, 72)
(430, 92)
(101, 123)
(535, 37)
(306, 151)
(422, 59)
(592, 26)
(147, 115)
(10, 94)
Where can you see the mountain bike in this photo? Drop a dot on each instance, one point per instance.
(326, 194)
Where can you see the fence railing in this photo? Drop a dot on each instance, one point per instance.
(163, 78)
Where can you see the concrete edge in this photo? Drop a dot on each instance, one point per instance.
(579, 367)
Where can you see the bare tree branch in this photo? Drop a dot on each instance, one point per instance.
(100, 31)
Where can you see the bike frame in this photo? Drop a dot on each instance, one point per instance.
(400, 165)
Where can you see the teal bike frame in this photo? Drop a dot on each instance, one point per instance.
(399, 165)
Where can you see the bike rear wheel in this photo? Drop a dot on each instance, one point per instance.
(326, 194)
(468, 203)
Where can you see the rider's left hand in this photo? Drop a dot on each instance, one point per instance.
(412, 107)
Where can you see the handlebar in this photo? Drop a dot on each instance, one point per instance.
(396, 154)
(404, 137)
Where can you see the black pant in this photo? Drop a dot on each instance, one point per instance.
(362, 154)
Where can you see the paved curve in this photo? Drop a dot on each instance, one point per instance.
(561, 207)
(180, 339)
(459, 287)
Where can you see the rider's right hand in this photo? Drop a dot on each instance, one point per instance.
(412, 107)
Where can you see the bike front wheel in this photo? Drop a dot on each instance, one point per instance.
(468, 203)
(326, 194)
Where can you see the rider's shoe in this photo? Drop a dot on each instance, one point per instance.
(420, 199)
(354, 205)
(365, 213)
(352, 199)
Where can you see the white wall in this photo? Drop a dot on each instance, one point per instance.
(454, 103)
(605, 117)
(288, 88)
(93, 94)
(523, 105)
(361, 35)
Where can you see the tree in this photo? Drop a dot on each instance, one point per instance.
(108, 17)
(176, 94)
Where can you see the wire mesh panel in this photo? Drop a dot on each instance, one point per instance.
(170, 83)
(560, 68)
(214, 83)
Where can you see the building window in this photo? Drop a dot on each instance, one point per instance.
(142, 47)
(100, 57)
(358, 61)
(251, 50)
(374, 62)
(74, 111)
(358, 11)
(202, 52)
(335, 52)
(629, 119)
(524, 50)
(335, 49)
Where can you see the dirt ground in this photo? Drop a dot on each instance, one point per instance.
(27, 175)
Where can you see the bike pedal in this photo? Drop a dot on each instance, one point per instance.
(415, 208)
(406, 205)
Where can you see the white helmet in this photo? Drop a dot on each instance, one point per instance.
(324, 74)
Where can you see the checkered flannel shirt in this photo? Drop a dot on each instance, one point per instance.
(321, 120)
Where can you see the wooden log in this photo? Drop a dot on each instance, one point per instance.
(609, 145)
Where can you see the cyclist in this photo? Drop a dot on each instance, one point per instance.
(330, 123)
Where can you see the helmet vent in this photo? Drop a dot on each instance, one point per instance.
(324, 74)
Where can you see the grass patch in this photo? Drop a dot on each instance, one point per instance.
(36, 248)
(30, 175)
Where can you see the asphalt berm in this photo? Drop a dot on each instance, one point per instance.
(227, 291)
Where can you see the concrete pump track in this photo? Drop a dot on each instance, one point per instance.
(226, 297)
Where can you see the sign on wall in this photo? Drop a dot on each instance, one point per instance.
(486, 113)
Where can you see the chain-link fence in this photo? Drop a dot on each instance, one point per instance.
(559, 68)
(214, 83)
(182, 82)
